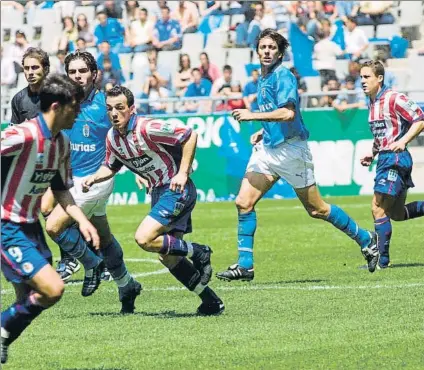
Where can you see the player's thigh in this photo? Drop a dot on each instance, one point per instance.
(148, 230)
(48, 283)
(253, 186)
(387, 205)
(101, 223)
(311, 199)
(48, 202)
(58, 221)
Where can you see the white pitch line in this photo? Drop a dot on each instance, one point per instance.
(262, 286)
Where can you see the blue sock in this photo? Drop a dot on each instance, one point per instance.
(414, 210)
(343, 222)
(19, 316)
(383, 228)
(72, 242)
(174, 246)
(114, 261)
(246, 232)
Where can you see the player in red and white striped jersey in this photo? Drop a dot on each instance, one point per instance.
(395, 120)
(161, 152)
(35, 156)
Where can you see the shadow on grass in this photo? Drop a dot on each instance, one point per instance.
(161, 315)
(284, 282)
(397, 265)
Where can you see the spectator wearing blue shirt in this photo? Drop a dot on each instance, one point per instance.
(167, 33)
(106, 53)
(198, 88)
(109, 29)
(250, 92)
(346, 101)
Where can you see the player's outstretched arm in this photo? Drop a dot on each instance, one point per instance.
(285, 114)
(65, 199)
(179, 181)
(412, 133)
(104, 173)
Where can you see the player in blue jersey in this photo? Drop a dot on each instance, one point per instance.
(88, 150)
(282, 150)
(395, 120)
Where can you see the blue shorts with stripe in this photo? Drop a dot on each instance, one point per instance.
(174, 209)
(24, 251)
(393, 174)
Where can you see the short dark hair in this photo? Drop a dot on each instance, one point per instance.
(101, 12)
(280, 40)
(122, 90)
(83, 55)
(195, 69)
(40, 55)
(58, 88)
(144, 10)
(376, 66)
(350, 78)
(352, 19)
(227, 67)
(81, 39)
(166, 7)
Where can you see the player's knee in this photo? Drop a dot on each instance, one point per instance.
(244, 204)
(55, 292)
(143, 241)
(377, 209)
(52, 229)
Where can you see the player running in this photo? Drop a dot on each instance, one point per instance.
(395, 120)
(282, 150)
(34, 156)
(162, 153)
(87, 154)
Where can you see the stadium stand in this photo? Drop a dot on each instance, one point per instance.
(398, 33)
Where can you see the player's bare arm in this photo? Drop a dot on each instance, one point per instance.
(65, 199)
(285, 114)
(104, 173)
(179, 181)
(414, 131)
(257, 137)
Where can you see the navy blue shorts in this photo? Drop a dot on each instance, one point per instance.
(174, 209)
(24, 251)
(393, 175)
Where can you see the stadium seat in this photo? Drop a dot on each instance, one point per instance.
(313, 83)
(43, 17)
(88, 11)
(138, 66)
(411, 13)
(125, 60)
(237, 58)
(387, 31)
(342, 68)
(192, 44)
(50, 36)
(11, 17)
(369, 31)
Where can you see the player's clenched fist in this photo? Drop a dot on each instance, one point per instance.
(242, 115)
(367, 160)
(87, 184)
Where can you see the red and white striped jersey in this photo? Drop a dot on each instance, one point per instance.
(151, 148)
(391, 115)
(31, 161)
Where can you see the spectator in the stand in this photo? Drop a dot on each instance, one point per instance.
(301, 83)
(247, 34)
(280, 9)
(109, 76)
(208, 69)
(84, 30)
(355, 39)
(375, 13)
(231, 90)
(58, 65)
(167, 32)
(155, 8)
(187, 15)
(200, 87)
(390, 79)
(16, 50)
(109, 29)
(354, 69)
(208, 7)
(81, 45)
(250, 92)
(345, 9)
(131, 11)
(106, 52)
(8, 73)
(308, 14)
(113, 8)
(161, 72)
(153, 91)
(140, 32)
(183, 78)
(69, 35)
(223, 82)
(332, 85)
(325, 54)
(346, 101)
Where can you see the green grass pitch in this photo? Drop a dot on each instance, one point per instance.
(309, 307)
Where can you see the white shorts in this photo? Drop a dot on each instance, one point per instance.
(92, 203)
(291, 160)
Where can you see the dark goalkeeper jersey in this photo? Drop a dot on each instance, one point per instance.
(25, 105)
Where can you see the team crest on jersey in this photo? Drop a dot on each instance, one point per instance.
(167, 128)
(40, 158)
(263, 92)
(392, 176)
(86, 130)
(178, 208)
(27, 267)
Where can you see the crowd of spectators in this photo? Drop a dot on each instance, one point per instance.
(131, 27)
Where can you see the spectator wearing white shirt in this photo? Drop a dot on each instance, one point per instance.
(188, 16)
(8, 73)
(17, 50)
(325, 54)
(140, 34)
(355, 39)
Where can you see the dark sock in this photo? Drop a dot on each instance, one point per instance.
(187, 275)
(19, 316)
(383, 228)
(113, 257)
(174, 246)
(414, 210)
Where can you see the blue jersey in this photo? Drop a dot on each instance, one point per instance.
(276, 90)
(88, 136)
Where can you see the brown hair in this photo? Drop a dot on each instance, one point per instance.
(40, 55)
(376, 66)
